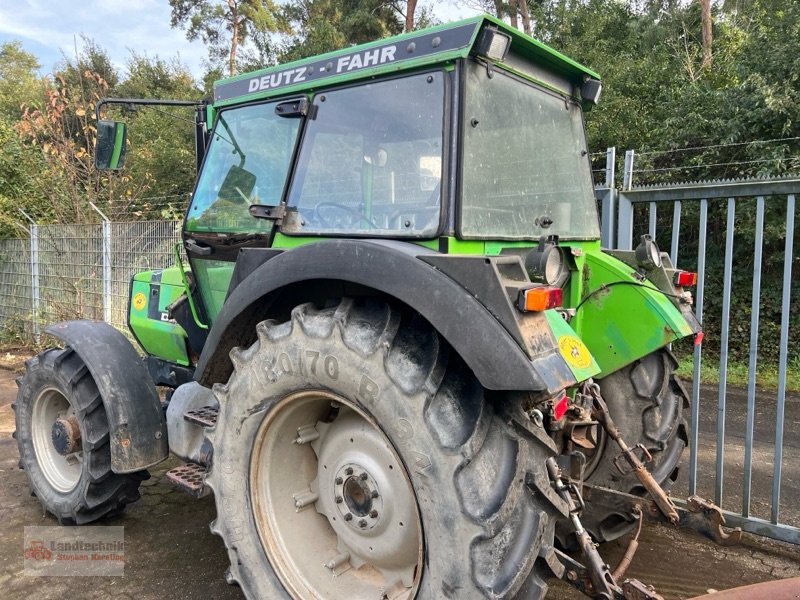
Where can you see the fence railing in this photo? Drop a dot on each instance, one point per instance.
(77, 272)
(627, 213)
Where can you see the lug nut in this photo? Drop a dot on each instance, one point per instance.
(373, 513)
(374, 494)
(338, 499)
(363, 477)
(348, 471)
(362, 523)
(348, 517)
(339, 481)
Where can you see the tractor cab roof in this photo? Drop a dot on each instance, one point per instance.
(474, 36)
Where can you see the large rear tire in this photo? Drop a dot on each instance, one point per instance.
(63, 440)
(647, 402)
(357, 410)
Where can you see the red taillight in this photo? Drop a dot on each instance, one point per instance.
(685, 278)
(539, 298)
(698, 338)
(560, 407)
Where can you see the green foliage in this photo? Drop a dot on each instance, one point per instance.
(325, 25)
(225, 25)
(19, 168)
(19, 84)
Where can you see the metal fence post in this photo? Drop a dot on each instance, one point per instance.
(723, 351)
(624, 223)
(106, 242)
(751, 380)
(609, 201)
(35, 281)
(627, 172)
(698, 348)
(782, 359)
(611, 166)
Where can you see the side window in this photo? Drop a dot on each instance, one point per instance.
(371, 160)
(247, 163)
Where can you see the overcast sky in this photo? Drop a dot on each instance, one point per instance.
(49, 29)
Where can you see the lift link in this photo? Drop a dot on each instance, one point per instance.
(659, 496)
(599, 573)
(595, 579)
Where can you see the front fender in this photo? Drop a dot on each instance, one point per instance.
(136, 421)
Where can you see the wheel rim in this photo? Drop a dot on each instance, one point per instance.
(60, 459)
(333, 503)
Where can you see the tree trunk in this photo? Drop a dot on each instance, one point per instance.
(705, 19)
(411, 7)
(526, 17)
(499, 8)
(232, 4)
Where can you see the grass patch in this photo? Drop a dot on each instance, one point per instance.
(766, 374)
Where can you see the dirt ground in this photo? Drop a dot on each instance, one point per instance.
(170, 552)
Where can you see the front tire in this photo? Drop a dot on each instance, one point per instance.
(335, 406)
(63, 440)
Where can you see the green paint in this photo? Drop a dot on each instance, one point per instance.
(456, 246)
(564, 334)
(624, 322)
(186, 288)
(158, 337)
(119, 140)
(291, 241)
(213, 278)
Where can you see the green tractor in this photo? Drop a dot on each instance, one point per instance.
(397, 355)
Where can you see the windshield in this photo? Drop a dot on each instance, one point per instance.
(247, 163)
(371, 160)
(525, 171)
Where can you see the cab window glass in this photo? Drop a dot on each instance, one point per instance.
(247, 163)
(525, 168)
(371, 160)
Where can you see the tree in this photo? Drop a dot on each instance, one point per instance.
(705, 17)
(327, 25)
(19, 83)
(225, 25)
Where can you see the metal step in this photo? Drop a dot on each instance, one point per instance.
(205, 417)
(190, 478)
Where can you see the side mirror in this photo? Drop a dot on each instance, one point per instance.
(109, 150)
(237, 185)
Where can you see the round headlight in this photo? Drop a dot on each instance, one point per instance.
(648, 256)
(547, 264)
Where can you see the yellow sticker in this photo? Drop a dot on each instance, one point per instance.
(574, 351)
(139, 300)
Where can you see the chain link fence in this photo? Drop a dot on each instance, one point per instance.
(82, 271)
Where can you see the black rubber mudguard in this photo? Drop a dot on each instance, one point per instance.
(136, 422)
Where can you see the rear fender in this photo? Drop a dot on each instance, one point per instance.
(622, 319)
(464, 298)
(136, 421)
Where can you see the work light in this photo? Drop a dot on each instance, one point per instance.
(492, 44)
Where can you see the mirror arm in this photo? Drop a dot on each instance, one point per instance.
(142, 102)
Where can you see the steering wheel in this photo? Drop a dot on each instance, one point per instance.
(317, 215)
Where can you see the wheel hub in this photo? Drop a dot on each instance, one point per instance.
(333, 503)
(357, 497)
(66, 435)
